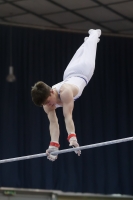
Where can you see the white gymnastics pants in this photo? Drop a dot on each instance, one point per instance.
(83, 62)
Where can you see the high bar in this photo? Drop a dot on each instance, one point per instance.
(68, 150)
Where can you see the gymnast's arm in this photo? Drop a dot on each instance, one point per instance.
(68, 105)
(54, 126)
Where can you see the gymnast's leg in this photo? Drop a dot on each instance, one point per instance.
(83, 62)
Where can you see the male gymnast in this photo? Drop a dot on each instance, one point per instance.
(76, 76)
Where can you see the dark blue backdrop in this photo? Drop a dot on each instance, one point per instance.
(104, 112)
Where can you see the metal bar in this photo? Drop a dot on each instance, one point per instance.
(68, 150)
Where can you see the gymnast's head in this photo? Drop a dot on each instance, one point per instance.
(40, 92)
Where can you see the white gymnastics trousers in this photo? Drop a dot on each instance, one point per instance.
(83, 62)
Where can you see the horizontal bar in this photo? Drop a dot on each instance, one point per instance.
(68, 150)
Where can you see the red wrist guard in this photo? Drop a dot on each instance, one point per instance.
(71, 135)
(55, 144)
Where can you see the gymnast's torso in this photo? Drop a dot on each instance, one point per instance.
(76, 83)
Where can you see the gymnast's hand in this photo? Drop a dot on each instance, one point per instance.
(54, 146)
(73, 142)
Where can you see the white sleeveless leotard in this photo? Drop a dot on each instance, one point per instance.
(80, 83)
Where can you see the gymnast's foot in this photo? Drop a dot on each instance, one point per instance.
(97, 30)
(85, 38)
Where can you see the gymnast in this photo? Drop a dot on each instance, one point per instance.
(76, 76)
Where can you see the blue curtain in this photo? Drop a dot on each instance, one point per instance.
(104, 112)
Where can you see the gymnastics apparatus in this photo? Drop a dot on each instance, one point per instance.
(68, 150)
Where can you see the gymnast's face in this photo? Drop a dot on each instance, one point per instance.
(51, 100)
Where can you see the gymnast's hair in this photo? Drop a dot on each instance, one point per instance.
(40, 92)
